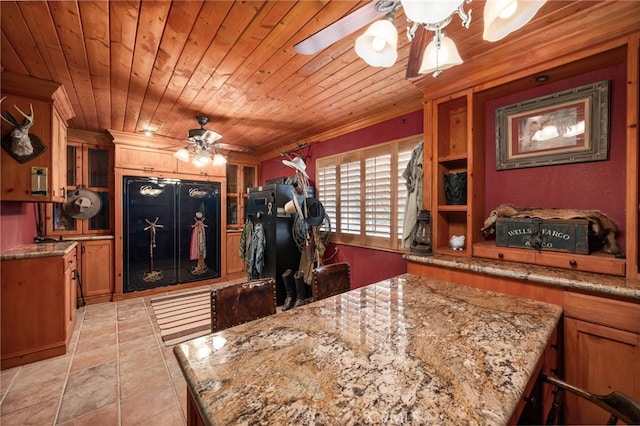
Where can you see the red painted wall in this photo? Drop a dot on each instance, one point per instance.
(598, 185)
(17, 224)
(387, 264)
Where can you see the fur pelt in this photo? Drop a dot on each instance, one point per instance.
(602, 225)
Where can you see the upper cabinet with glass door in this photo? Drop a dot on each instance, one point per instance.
(240, 177)
(89, 166)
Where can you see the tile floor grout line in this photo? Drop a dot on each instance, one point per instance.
(72, 356)
(13, 381)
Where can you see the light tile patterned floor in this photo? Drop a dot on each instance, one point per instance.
(117, 372)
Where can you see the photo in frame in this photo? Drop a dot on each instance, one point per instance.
(571, 126)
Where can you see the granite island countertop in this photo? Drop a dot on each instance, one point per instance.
(404, 350)
(28, 251)
(600, 284)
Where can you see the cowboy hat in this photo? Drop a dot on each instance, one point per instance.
(298, 164)
(315, 212)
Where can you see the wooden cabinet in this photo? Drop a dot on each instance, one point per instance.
(96, 266)
(538, 396)
(602, 352)
(240, 177)
(38, 307)
(599, 342)
(235, 263)
(132, 157)
(155, 154)
(599, 263)
(41, 178)
(454, 156)
(89, 160)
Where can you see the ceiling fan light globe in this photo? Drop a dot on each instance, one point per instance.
(435, 59)
(201, 158)
(497, 22)
(182, 154)
(378, 46)
(429, 11)
(219, 159)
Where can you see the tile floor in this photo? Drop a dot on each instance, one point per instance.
(117, 372)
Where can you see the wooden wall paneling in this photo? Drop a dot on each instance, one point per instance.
(193, 66)
(13, 23)
(181, 20)
(427, 160)
(43, 30)
(633, 157)
(151, 21)
(10, 56)
(292, 67)
(66, 18)
(122, 26)
(97, 42)
(241, 14)
(231, 82)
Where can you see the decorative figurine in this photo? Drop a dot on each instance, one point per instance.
(457, 242)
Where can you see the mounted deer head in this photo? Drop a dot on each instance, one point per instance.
(21, 142)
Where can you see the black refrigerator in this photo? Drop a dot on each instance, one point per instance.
(171, 232)
(266, 206)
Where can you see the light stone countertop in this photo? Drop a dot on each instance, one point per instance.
(405, 350)
(599, 284)
(28, 251)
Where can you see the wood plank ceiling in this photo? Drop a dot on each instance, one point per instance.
(133, 65)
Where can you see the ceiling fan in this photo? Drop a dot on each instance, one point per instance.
(378, 45)
(211, 138)
(203, 144)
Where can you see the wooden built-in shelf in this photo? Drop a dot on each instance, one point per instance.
(595, 262)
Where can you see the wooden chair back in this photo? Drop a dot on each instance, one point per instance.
(242, 302)
(329, 280)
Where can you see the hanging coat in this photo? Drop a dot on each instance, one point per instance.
(245, 244)
(256, 252)
(413, 175)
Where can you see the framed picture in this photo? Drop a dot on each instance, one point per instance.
(565, 127)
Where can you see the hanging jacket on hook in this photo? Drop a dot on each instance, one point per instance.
(256, 251)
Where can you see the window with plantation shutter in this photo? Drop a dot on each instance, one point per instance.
(364, 193)
(349, 196)
(377, 196)
(327, 188)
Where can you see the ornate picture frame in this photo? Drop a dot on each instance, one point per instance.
(571, 126)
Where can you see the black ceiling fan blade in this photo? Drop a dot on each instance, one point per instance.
(418, 45)
(339, 29)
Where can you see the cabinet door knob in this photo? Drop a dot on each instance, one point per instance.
(573, 263)
(501, 255)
